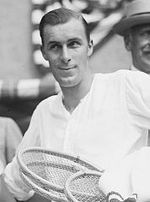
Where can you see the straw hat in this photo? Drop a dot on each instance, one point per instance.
(137, 12)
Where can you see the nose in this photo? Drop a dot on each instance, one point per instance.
(65, 57)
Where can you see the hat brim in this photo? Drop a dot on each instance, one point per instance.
(126, 23)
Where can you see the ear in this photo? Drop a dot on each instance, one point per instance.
(90, 47)
(127, 41)
(43, 53)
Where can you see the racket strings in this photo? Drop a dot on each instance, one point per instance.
(57, 158)
(53, 169)
(56, 174)
(85, 184)
(84, 188)
(47, 158)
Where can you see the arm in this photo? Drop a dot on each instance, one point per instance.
(12, 178)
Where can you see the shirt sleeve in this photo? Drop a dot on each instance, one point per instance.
(138, 97)
(11, 173)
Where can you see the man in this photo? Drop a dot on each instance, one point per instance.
(135, 28)
(10, 137)
(100, 117)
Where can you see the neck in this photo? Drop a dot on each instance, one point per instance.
(73, 95)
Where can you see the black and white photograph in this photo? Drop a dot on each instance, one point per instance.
(75, 101)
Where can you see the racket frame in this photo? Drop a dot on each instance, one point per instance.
(77, 165)
(67, 190)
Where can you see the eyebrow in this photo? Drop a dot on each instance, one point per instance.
(53, 42)
(75, 39)
(69, 40)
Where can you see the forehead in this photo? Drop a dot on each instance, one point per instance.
(74, 28)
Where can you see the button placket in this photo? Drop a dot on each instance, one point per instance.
(68, 135)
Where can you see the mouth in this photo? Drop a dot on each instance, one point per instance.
(68, 68)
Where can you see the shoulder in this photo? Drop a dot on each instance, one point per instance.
(47, 104)
(112, 77)
(137, 75)
(136, 84)
(48, 101)
(138, 80)
(116, 74)
(124, 73)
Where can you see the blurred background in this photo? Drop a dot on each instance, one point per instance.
(25, 78)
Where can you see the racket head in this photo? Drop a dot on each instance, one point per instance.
(42, 191)
(84, 187)
(49, 170)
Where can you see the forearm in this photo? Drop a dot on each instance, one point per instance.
(14, 182)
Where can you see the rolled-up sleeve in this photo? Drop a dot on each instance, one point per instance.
(14, 182)
(11, 173)
(138, 97)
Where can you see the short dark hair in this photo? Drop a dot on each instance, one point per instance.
(60, 16)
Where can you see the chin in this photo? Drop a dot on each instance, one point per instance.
(68, 83)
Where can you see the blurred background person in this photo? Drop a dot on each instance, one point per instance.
(135, 29)
(10, 137)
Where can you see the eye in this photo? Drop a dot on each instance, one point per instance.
(54, 47)
(74, 44)
(145, 34)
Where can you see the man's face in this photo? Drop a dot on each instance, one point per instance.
(140, 47)
(67, 50)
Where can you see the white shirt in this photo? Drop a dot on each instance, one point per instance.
(110, 122)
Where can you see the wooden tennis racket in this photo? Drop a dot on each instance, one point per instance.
(84, 187)
(46, 171)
